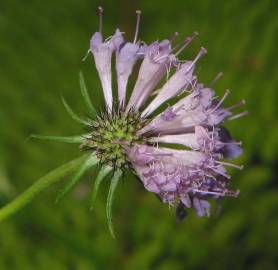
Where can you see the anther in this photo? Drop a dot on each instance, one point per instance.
(100, 15)
(175, 35)
(217, 77)
(138, 12)
(239, 104)
(209, 192)
(232, 193)
(240, 167)
(227, 92)
(186, 42)
(238, 115)
(231, 143)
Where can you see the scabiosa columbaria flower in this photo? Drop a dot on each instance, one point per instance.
(140, 134)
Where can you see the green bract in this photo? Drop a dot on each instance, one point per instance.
(109, 133)
(105, 131)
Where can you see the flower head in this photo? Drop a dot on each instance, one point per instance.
(140, 134)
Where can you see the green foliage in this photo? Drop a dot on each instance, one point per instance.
(66, 139)
(114, 183)
(42, 46)
(85, 94)
(104, 171)
(41, 185)
(72, 114)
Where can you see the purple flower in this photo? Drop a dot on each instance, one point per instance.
(179, 150)
(181, 175)
(133, 134)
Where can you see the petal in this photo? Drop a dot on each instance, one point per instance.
(169, 187)
(102, 52)
(232, 151)
(201, 206)
(142, 155)
(185, 199)
(96, 42)
(184, 115)
(169, 114)
(152, 187)
(188, 140)
(173, 87)
(183, 123)
(117, 39)
(182, 157)
(199, 99)
(126, 57)
(154, 66)
(218, 116)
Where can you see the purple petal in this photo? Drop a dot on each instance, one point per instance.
(126, 57)
(102, 52)
(154, 66)
(180, 81)
(202, 207)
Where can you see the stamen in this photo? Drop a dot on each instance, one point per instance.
(240, 167)
(217, 77)
(194, 84)
(231, 143)
(186, 42)
(209, 192)
(138, 12)
(201, 53)
(175, 35)
(238, 115)
(100, 15)
(239, 104)
(86, 55)
(232, 193)
(227, 92)
(214, 168)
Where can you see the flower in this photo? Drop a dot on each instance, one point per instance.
(141, 135)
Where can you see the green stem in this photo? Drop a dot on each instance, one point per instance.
(43, 183)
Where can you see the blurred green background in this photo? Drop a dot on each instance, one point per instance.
(42, 44)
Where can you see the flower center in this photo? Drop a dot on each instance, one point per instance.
(110, 133)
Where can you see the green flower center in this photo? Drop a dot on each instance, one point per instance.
(110, 133)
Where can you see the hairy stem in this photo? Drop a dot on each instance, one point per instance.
(43, 183)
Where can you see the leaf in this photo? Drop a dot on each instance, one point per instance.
(85, 94)
(40, 185)
(90, 162)
(67, 139)
(114, 182)
(102, 174)
(72, 114)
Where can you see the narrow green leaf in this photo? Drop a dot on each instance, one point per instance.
(43, 183)
(101, 175)
(72, 114)
(85, 94)
(67, 139)
(90, 162)
(114, 182)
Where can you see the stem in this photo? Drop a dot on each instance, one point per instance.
(43, 183)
